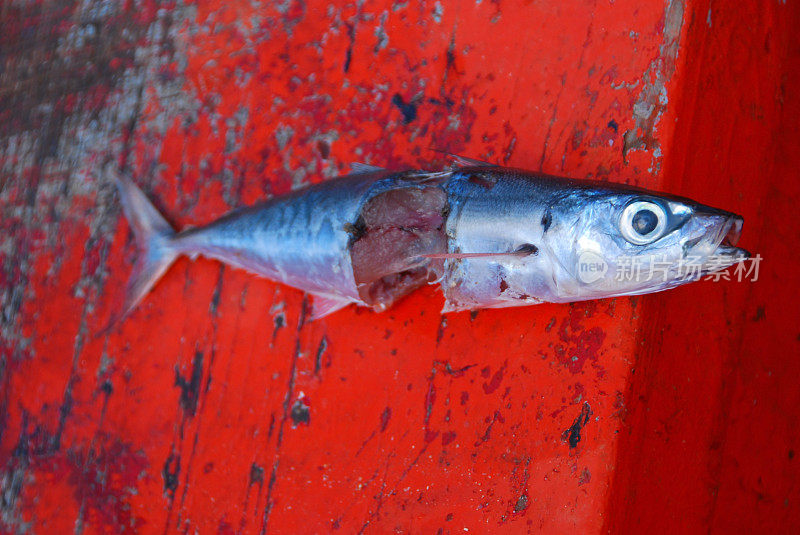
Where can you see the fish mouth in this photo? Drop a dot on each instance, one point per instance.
(716, 247)
(731, 232)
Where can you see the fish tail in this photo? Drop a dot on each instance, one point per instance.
(154, 237)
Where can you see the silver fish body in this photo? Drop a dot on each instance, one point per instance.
(491, 236)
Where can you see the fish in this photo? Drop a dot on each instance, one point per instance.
(489, 236)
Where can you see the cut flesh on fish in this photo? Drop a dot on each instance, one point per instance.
(395, 230)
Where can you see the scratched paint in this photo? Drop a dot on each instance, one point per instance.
(217, 406)
(653, 97)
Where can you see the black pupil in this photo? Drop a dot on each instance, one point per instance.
(644, 222)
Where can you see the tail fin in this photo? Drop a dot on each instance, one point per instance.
(154, 238)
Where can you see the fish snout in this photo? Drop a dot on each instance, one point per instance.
(722, 232)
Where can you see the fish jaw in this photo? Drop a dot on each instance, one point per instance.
(715, 249)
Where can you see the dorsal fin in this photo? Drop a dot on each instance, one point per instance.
(463, 161)
(358, 168)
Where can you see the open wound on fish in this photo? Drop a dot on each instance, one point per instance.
(391, 238)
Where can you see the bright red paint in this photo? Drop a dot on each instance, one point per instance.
(216, 407)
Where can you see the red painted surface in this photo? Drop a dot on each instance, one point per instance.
(217, 407)
(711, 433)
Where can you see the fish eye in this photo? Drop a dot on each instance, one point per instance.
(642, 222)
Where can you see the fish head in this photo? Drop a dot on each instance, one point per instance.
(607, 242)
